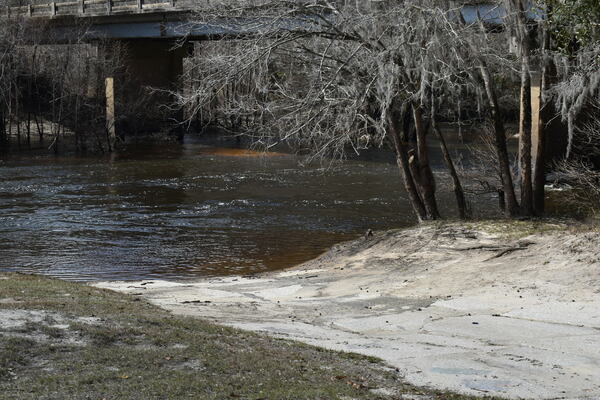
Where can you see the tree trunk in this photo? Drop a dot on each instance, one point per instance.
(512, 206)
(40, 128)
(525, 114)
(426, 181)
(397, 136)
(3, 136)
(461, 203)
(525, 139)
(17, 116)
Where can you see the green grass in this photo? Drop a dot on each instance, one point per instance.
(90, 343)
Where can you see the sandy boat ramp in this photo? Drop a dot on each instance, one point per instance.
(449, 307)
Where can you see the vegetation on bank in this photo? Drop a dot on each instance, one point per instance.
(62, 340)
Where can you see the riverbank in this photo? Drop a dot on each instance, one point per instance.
(60, 340)
(510, 309)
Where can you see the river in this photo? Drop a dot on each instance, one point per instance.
(179, 211)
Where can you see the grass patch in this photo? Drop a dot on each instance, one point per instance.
(61, 340)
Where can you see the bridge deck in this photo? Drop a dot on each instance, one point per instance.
(135, 19)
(147, 19)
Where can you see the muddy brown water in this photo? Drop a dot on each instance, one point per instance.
(181, 211)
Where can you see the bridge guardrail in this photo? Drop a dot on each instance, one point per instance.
(93, 7)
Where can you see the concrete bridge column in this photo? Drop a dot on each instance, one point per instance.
(141, 91)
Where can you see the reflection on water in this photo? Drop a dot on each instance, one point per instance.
(236, 152)
(182, 211)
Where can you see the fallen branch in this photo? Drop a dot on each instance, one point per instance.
(502, 250)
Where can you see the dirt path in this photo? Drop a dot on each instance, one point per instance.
(451, 308)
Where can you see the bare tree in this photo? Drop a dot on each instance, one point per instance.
(52, 85)
(581, 169)
(328, 78)
(579, 83)
(517, 11)
(10, 35)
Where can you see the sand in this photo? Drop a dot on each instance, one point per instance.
(450, 307)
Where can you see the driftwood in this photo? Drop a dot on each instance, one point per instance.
(501, 250)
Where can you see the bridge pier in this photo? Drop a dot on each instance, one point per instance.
(141, 91)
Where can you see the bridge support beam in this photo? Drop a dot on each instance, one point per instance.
(151, 71)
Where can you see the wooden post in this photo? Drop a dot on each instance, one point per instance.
(172, 3)
(140, 4)
(111, 130)
(82, 6)
(538, 140)
(109, 6)
(536, 106)
(29, 10)
(53, 8)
